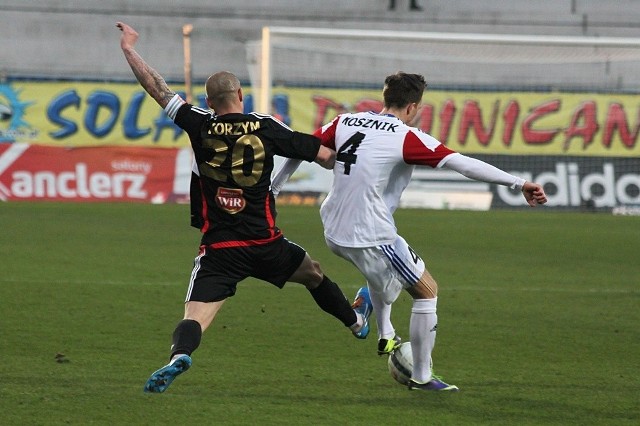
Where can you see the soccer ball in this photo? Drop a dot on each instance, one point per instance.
(400, 363)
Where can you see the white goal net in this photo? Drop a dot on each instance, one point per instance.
(330, 57)
(558, 109)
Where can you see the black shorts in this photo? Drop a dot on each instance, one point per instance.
(217, 272)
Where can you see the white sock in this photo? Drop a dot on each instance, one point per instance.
(422, 334)
(383, 317)
(176, 356)
(359, 323)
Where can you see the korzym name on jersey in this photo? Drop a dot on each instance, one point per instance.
(233, 129)
(369, 123)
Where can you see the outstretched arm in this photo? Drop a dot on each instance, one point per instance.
(485, 172)
(148, 78)
(326, 158)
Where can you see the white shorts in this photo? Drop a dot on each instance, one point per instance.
(388, 268)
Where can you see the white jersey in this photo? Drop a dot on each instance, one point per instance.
(376, 155)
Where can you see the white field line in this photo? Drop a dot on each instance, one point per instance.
(86, 282)
(350, 287)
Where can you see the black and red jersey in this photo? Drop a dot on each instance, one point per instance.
(231, 199)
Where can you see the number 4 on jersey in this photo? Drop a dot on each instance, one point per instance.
(347, 152)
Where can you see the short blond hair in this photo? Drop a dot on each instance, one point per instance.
(222, 88)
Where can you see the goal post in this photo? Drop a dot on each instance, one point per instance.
(188, 73)
(560, 108)
(264, 101)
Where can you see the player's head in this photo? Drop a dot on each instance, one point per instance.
(224, 92)
(402, 89)
(403, 92)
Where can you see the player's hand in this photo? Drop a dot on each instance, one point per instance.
(326, 157)
(534, 194)
(129, 35)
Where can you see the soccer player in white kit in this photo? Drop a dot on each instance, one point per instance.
(376, 155)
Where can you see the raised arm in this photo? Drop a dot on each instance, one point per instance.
(148, 78)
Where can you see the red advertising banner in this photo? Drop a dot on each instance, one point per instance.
(88, 174)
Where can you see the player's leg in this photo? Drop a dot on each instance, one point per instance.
(387, 338)
(424, 319)
(284, 261)
(423, 325)
(422, 331)
(212, 281)
(197, 318)
(383, 287)
(185, 340)
(327, 295)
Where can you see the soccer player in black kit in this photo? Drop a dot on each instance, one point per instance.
(232, 205)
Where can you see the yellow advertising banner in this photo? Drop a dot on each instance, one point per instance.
(584, 124)
(85, 114)
(519, 123)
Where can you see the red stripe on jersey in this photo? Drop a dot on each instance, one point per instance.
(205, 210)
(269, 216)
(414, 151)
(243, 243)
(327, 134)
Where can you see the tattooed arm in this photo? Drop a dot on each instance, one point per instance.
(149, 78)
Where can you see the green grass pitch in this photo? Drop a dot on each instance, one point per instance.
(539, 323)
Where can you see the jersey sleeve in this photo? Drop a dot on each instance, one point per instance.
(422, 149)
(282, 175)
(481, 171)
(188, 117)
(292, 144)
(327, 133)
(307, 146)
